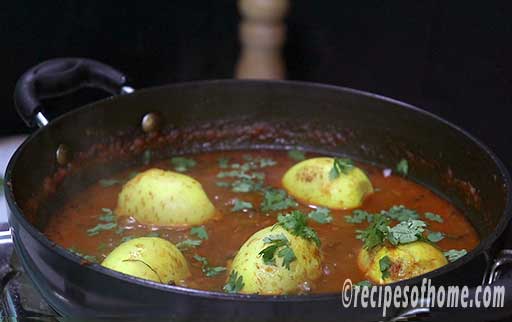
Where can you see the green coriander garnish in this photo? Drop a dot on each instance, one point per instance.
(340, 166)
(153, 234)
(296, 223)
(182, 164)
(102, 246)
(321, 215)
(235, 283)
(222, 184)
(364, 283)
(240, 205)
(434, 217)
(223, 162)
(402, 167)
(453, 254)
(279, 246)
(276, 199)
(435, 237)
(375, 234)
(296, 155)
(88, 258)
(398, 213)
(401, 213)
(101, 227)
(189, 243)
(406, 232)
(199, 232)
(108, 215)
(384, 265)
(209, 271)
(359, 216)
(245, 186)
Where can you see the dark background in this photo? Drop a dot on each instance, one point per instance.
(451, 57)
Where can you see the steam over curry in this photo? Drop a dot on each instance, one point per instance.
(266, 222)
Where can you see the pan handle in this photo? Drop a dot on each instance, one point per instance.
(497, 279)
(59, 77)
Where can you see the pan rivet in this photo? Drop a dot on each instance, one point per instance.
(151, 122)
(63, 154)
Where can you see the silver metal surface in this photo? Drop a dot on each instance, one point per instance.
(41, 120)
(503, 259)
(127, 90)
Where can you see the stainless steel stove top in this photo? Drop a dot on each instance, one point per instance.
(19, 298)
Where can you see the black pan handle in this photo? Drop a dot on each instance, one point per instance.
(59, 77)
(499, 278)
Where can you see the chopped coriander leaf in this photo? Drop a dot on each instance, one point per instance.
(406, 232)
(376, 233)
(340, 166)
(101, 227)
(435, 237)
(108, 215)
(188, 243)
(102, 246)
(288, 256)
(242, 186)
(296, 155)
(239, 205)
(208, 270)
(211, 271)
(199, 232)
(276, 199)
(453, 254)
(238, 174)
(364, 283)
(235, 283)
(402, 167)
(182, 164)
(223, 162)
(296, 223)
(246, 186)
(384, 265)
(153, 234)
(266, 162)
(88, 258)
(358, 216)
(321, 215)
(278, 244)
(401, 213)
(258, 176)
(434, 217)
(119, 230)
(223, 184)
(110, 182)
(147, 156)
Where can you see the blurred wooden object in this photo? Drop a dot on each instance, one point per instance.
(262, 34)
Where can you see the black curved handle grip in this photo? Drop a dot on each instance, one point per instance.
(61, 76)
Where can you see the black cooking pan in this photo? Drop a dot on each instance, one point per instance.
(224, 115)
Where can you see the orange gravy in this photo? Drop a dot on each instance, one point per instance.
(228, 232)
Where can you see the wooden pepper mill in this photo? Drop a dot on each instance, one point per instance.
(262, 34)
